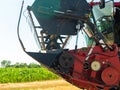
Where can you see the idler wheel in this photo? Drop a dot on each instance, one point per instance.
(95, 66)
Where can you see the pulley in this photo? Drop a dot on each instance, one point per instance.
(66, 60)
(110, 76)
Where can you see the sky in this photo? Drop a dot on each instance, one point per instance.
(10, 48)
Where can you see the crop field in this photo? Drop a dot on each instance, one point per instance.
(14, 75)
(32, 79)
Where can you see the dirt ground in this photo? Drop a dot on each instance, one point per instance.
(44, 85)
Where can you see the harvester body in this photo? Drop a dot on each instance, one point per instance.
(95, 66)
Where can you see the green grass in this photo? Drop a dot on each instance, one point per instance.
(13, 75)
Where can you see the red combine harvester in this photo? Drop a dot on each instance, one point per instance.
(95, 66)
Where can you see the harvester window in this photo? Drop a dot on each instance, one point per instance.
(104, 21)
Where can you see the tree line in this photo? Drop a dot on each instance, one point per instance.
(7, 63)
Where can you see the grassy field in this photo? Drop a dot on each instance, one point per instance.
(13, 75)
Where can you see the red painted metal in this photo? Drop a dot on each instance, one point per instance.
(106, 77)
(116, 4)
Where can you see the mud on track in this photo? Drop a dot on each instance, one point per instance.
(43, 85)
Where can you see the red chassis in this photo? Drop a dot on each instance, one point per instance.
(100, 71)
